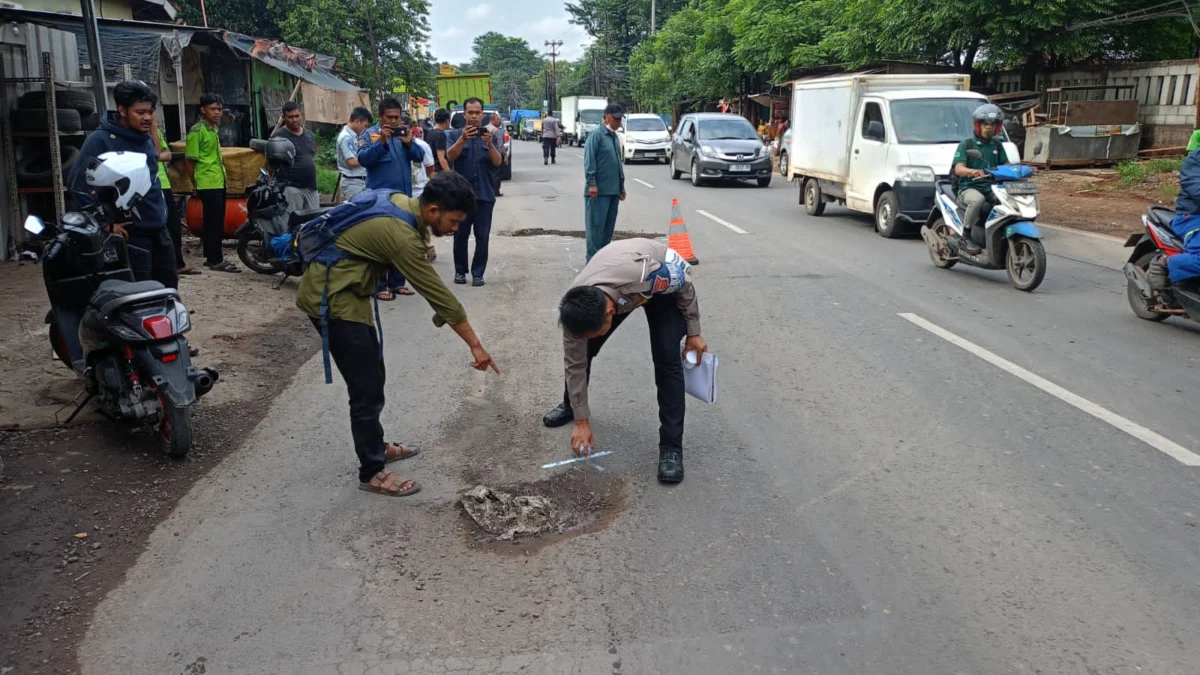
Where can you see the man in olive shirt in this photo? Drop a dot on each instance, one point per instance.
(378, 245)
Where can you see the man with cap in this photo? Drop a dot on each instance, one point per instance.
(604, 170)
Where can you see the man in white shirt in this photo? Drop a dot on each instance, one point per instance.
(354, 175)
(421, 174)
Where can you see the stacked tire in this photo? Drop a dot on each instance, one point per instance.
(75, 111)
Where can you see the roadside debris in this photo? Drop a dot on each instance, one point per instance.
(506, 515)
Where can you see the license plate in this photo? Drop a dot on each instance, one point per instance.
(1022, 188)
(741, 168)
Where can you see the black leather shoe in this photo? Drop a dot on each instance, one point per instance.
(559, 416)
(670, 467)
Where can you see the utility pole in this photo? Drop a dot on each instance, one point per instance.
(652, 7)
(552, 82)
(96, 61)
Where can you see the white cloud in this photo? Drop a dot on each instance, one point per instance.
(451, 32)
(479, 12)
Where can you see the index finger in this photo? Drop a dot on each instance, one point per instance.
(493, 366)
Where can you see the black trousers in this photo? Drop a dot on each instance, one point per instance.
(667, 330)
(549, 146)
(152, 256)
(355, 350)
(175, 228)
(479, 223)
(213, 202)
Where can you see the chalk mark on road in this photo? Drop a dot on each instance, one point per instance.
(1151, 438)
(644, 183)
(719, 221)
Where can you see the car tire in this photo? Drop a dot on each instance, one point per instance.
(814, 201)
(783, 163)
(35, 120)
(83, 101)
(764, 182)
(90, 122)
(675, 173)
(34, 169)
(695, 174)
(887, 207)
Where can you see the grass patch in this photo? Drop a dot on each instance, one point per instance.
(326, 180)
(1133, 171)
(1168, 192)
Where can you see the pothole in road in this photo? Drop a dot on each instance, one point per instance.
(579, 234)
(528, 516)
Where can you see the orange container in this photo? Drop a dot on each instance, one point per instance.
(235, 215)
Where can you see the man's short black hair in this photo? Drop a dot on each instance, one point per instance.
(360, 114)
(582, 310)
(130, 92)
(615, 110)
(211, 98)
(290, 106)
(389, 103)
(451, 191)
(441, 116)
(473, 99)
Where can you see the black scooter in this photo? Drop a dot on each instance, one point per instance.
(1181, 299)
(124, 337)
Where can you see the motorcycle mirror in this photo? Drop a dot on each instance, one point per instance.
(263, 172)
(974, 154)
(34, 225)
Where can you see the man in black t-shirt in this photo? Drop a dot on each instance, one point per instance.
(301, 179)
(437, 139)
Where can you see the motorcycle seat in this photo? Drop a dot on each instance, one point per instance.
(944, 187)
(1162, 215)
(300, 217)
(113, 293)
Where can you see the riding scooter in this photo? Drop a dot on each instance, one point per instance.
(125, 338)
(1011, 240)
(1181, 299)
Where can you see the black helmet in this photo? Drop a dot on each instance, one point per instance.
(281, 153)
(987, 114)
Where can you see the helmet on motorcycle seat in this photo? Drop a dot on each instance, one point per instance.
(281, 153)
(122, 178)
(987, 114)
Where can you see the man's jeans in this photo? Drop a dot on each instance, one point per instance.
(355, 349)
(667, 330)
(600, 219)
(152, 256)
(481, 224)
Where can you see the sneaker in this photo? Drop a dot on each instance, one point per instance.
(476, 282)
(460, 278)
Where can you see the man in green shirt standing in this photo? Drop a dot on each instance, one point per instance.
(604, 171)
(378, 245)
(208, 179)
(974, 182)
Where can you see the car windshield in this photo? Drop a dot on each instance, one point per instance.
(726, 129)
(645, 124)
(940, 120)
(592, 116)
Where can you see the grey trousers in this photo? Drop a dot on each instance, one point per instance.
(975, 201)
(301, 200)
(352, 186)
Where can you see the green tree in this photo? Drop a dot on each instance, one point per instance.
(511, 62)
(249, 17)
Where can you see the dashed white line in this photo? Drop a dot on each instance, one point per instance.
(726, 223)
(644, 183)
(578, 154)
(1151, 438)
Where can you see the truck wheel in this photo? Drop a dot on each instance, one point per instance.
(814, 201)
(885, 215)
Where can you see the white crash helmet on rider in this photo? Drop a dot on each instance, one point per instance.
(123, 173)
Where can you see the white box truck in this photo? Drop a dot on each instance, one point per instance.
(581, 114)
(877, 143)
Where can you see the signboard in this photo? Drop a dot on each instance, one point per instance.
(779, 108)
(447, 69)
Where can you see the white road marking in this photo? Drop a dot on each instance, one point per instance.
(578, 154)
(1151, 438)
(726, 223)
(644, 183)
(1084, 233)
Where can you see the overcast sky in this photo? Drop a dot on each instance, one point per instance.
(454, 25)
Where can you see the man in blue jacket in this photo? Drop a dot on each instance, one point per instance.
(151, 252)
(1186, 225)
(387, 152)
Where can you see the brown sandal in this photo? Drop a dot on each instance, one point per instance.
(396, 452)
(389, 484)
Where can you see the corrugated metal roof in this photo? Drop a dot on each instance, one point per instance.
(308, 66)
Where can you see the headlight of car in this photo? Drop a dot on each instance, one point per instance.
(915, 174)
(708, 151)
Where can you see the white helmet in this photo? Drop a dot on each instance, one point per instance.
(125, 172)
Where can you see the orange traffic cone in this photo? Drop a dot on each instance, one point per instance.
(677, 237)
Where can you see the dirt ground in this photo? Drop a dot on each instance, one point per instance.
(77, 502)
(1096, 200)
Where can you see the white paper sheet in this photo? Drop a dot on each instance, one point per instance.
(700, 380)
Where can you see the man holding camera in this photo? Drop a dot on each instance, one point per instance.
(474, 154)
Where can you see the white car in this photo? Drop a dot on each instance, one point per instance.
(783, 154)
(644, 136)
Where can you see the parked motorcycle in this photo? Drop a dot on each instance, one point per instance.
(1011, 240)
(263, 241)
(1181, 299)
(125, 338)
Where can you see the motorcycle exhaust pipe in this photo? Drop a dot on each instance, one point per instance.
(1135, 274)
(205, 380)
(926, 234)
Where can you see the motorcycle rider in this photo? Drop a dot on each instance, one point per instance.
(974, 182)
(1164, 271)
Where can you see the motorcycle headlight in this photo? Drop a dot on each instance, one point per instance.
(708, 151)
(915, 174)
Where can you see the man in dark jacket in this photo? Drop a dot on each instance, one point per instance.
(127, 129)
(1186, 225)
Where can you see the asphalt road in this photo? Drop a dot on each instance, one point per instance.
(873, 493)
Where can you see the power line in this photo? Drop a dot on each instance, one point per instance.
(552, 81)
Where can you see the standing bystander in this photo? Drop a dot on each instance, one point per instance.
(437, 139)
(354, 175)
(300, 179)
(551, 137)
(208, 179)
(604, 171)
(474, 156)
(496, 129)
